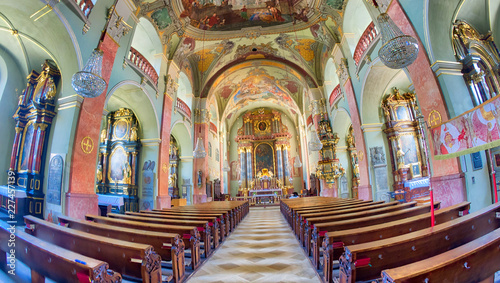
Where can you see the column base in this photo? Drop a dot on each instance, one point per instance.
(163, 202)
(78, 205)
(199, 199)
(449, 189)
(365, 192)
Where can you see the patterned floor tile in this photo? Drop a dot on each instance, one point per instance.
(261, 249)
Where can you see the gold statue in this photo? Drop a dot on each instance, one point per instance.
(133, 133)
(400, 156)
(99, 173)
(127, 174)
(45, 88)
(103, 135)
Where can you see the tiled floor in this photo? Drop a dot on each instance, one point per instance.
(261, 249)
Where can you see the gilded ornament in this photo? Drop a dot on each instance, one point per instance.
(87, 145)
(434, 118)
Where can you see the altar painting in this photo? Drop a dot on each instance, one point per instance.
(409, 147)
(117, 164)
(28, 137)
(264, 158)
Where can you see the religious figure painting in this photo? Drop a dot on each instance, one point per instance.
(264, 157)
(409, 148)
(28, 137)
(120, 129)
(116, 164)
(229, 15)
(234, 170)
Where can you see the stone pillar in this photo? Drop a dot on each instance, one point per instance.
(279, 166)
(243, 172)
(163, 199)
(201, 130)
(249, 167)
(447, 182)
(286, 164)
(81, 198)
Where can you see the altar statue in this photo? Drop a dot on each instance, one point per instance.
(127, 173)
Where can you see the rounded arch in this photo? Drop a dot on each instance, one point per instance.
(130, 94)
(356, 20)
(185, 89)
(331, 78)
(340, 124)
(180, 130)
(376, 83)
(148, 43)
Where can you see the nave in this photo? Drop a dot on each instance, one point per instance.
(261, 249)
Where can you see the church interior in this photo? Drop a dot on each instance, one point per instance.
(270, 138)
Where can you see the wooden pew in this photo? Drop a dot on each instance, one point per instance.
(320, 229)
(366, 261)
(317, 222)
(51, 261)
(190, 234)
(225, 221)
(202, 226)
(168, 245)
(131, 259)
(310, 204)
(213, 221)
(475, 261)
(334, 242)
(304, 231)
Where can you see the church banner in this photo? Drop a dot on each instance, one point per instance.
(475, 130)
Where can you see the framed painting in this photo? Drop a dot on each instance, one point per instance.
(415, 170)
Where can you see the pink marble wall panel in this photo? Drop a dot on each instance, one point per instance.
(78, 205)
(164, 158)
(449, 190)
(163, 201)
(360, 142)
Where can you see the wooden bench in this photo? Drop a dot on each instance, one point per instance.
(384, 215)
(190, 234)
(366, 261)
(334, 242)
(202, 226)
(225, 221)
(168, 245)
(51, 261)
(213, 221)
(309, 205)
(304, 225)
(475, 261)
(131, 259)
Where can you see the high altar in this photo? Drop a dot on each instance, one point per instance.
(264, 152)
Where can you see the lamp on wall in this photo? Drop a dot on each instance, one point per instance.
(199, 150)
(315, 144)
(89, 82)
(398, 50)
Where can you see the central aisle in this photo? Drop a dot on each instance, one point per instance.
(261, 249)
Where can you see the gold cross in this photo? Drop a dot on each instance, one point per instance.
(87, 145)
(434, 118)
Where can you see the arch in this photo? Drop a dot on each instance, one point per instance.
(331, 78)
(185, 89)
(356, 20)
(180, 130)
(148, 43)
(378, 79)
(131, 94)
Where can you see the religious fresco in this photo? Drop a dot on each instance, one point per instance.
(264, 157)
(227, 15)
(335, 4)
(117, 165)
(161, 18)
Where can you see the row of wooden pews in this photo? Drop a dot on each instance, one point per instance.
(364, 241)
(150, 246)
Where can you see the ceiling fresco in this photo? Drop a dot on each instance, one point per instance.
(227, 15)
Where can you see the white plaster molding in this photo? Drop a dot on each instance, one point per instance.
(150, 142)
(71, 101)
(375, 127)
(447, 67)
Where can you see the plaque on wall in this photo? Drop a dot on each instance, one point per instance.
(54, 183)
(148, 186)
(477, 162)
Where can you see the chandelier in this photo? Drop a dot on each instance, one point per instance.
(88, 82)
(315, 144)
(398, 50)
(199, 150)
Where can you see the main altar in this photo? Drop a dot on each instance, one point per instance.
(264, 155)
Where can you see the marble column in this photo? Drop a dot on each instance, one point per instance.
(201, 130)
(280, 164)
(286, 165)
(249, 167)
(163, 199)
(243, 172)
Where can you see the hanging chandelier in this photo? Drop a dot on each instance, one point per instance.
(315, 144)
(226, 168)
(398, 50)
(199, 150)
(88, 82)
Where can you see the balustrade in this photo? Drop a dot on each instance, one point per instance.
(143, 64)
(364, 42)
